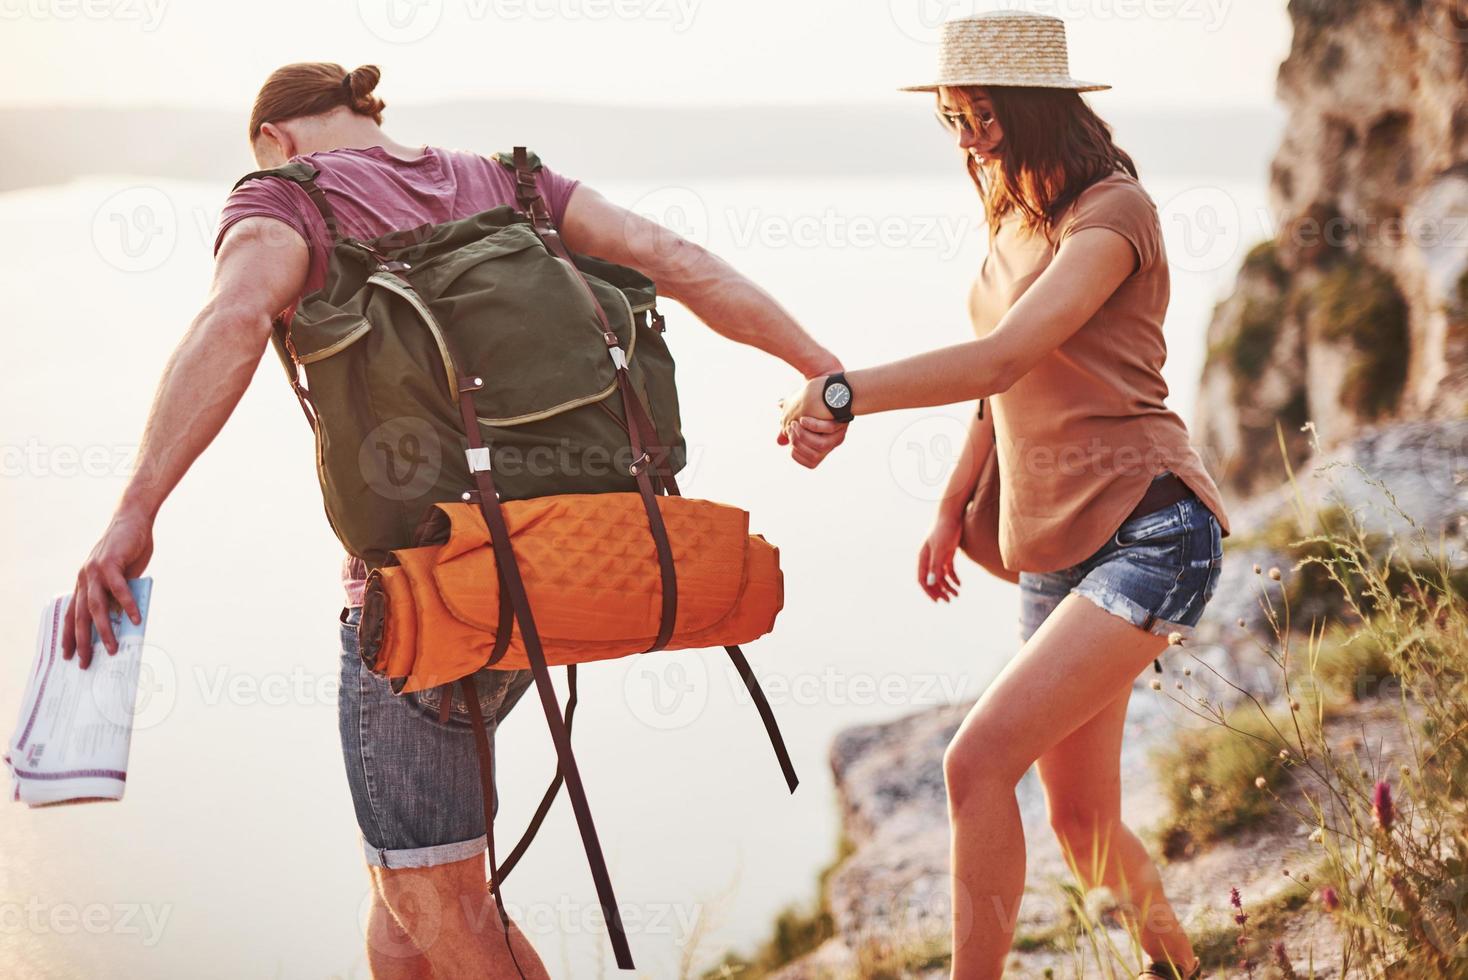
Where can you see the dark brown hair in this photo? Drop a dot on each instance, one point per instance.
(1054, 147)
(308, 88)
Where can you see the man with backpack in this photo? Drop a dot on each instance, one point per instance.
(410, 769)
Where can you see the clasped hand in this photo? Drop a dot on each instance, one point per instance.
(807, 426)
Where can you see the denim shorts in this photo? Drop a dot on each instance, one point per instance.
(415, 780)
(1157, 572)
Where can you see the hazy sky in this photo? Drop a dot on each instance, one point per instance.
(211, 53)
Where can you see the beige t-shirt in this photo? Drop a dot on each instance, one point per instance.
(1081, 435)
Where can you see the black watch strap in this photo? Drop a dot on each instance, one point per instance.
(839, 388)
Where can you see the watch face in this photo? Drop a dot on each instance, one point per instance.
(838, 395)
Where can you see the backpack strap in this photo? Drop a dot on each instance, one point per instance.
(642, 435)
(304, 175)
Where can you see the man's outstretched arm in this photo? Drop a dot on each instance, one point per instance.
(731, 304)
(258, 272)
(712, 289)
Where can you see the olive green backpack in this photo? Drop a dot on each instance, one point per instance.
(479, 360)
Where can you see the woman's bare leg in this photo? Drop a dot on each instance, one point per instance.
(1082, 779)
(1078, 661)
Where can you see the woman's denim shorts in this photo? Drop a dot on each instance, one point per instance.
(1157, 572)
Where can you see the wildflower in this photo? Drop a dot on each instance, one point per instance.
(1235, 899)
(1257, 569)
(1243, 624)
(1197, 792)
(1282, 960)
(1275, 574)
(1294, 705)
(1174, 639)
(1382, 810)
(1305, 878)
(1260, 782)
(1317, 835)
(1329, 899)
(1284, 755)
(1188, 672)
(1156, 685)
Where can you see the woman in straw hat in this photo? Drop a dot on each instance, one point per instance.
(1106, 512)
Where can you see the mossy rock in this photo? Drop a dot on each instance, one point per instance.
(1357, 304)
(1248, 349)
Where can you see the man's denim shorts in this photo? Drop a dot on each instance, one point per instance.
(1157, 572)
(414, 780)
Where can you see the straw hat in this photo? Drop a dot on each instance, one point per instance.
(1005, 48)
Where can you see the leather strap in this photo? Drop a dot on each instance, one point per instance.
(489, 504)
(527, 195)
(486, 782)
(642, 434)
(518, 851)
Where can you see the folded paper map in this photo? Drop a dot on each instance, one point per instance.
(71, 742)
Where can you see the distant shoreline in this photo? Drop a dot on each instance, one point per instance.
(51, 145)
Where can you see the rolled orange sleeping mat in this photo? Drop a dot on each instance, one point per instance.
(592, 577)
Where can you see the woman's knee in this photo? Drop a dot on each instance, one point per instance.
(978, 761)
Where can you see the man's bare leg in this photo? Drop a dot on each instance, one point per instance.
(448, 912)
(391, 952)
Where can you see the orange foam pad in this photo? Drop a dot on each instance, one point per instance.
(592, 577)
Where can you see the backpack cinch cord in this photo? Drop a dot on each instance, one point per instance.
(514, 603)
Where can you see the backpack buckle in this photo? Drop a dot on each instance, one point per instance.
(639, 464)
(619, 357)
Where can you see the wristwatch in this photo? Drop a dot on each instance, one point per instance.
(837, 397)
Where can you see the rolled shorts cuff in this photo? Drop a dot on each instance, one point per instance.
(1130, 610)
(422, 857)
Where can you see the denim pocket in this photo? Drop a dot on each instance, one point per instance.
(427, 701)
(1156, 526)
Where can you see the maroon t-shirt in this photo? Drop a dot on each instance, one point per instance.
(372, 193)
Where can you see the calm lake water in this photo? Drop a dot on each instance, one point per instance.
(235, 851)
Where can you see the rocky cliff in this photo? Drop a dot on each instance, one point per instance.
(1356, 313)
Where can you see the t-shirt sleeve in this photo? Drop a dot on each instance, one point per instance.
(556, 190)
(1125, 208)
(271, 197)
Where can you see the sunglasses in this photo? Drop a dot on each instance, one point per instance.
(960, 122)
